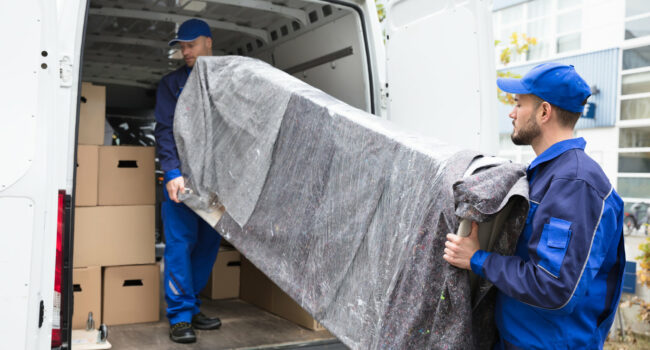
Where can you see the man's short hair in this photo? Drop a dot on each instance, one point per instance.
(566, 118)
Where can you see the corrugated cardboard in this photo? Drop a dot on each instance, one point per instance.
(285, 307)
(224, 279)
(92, 114)
(126, 175)
(254, 286)
(131, 294)
(259, 290)
(87, 167)
(117, 235)
(87, 287)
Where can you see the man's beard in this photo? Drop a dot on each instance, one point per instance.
(527, 134)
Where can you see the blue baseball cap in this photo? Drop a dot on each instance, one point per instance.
(557, 84)
(190, 30)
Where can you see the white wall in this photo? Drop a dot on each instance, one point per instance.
(602, 144)
(602, 23)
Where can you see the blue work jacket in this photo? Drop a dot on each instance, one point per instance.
(169, 89)
(561, 288)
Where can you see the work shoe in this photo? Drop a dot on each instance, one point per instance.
(182, 332)
(203, 322)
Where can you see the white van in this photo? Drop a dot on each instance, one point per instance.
(431, 70)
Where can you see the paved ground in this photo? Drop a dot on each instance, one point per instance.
(632, 342)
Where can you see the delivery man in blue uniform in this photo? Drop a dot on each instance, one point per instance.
(191, 244)
(561, 288)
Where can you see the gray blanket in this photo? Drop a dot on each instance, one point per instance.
(343, 211)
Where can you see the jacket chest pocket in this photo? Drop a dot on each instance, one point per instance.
(553, 245)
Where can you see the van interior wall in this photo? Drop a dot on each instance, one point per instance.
(119, 96)
(345, 78)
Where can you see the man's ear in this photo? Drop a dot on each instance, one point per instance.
(544, 112)
(208, 42)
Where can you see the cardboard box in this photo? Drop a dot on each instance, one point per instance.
(92, 114)
(131, 294)
(259, 290)
(224, 279)
(127, 175)
(87, 287)
(118, 235)
(87, 168)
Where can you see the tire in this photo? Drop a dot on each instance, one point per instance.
(629, 225)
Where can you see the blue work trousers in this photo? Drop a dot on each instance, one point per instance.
(191, 247)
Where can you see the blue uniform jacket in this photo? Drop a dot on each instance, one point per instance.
(562, 287)
(169, 89)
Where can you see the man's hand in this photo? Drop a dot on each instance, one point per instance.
(459, 250)
(174, 186)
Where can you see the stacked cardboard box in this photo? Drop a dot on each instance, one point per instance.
(233, 276)
(114, 224)
(92, 114)
(259, 290)
(224, 280)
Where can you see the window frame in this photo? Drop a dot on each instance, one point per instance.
(551, 36)
(627, 19)
(630, 123)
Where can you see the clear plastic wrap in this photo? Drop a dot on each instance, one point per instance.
(343, 211)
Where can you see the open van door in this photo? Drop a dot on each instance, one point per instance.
(42, 40)
(441, 71)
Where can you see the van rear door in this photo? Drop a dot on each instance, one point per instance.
(37, 116)
(441, 71)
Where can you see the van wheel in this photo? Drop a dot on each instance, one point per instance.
(628, 225)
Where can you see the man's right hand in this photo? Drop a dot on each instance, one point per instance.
(174, 186)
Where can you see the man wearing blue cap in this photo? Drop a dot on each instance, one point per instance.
(562, 287)
(191, 244)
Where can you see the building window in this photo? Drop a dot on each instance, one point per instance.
(556, 24)
(633, 183)
(637, 19)
(569, 25)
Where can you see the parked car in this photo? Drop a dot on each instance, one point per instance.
(637, 218)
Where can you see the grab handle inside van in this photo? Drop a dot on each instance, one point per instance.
(132, 283)
(233, 263)
(127, 164)
(76, 287)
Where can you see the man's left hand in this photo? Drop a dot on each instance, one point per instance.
(459, 250)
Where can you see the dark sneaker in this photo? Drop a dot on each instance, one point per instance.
(203, 322)
(182, 332)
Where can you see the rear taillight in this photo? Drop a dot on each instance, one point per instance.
(58, 272)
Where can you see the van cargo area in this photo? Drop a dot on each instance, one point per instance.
(125, 50)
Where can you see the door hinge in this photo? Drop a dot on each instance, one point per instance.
(65, 70)
(384, 97)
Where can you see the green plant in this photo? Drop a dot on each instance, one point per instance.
(644, 263)
(644, 278)
(519, 43)
(381, 10)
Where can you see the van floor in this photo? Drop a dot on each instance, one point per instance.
(244, 326)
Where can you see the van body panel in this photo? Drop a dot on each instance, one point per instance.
(37, 151)
(438, 70)
(28, 204)
(18, 112)
(15, 265)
